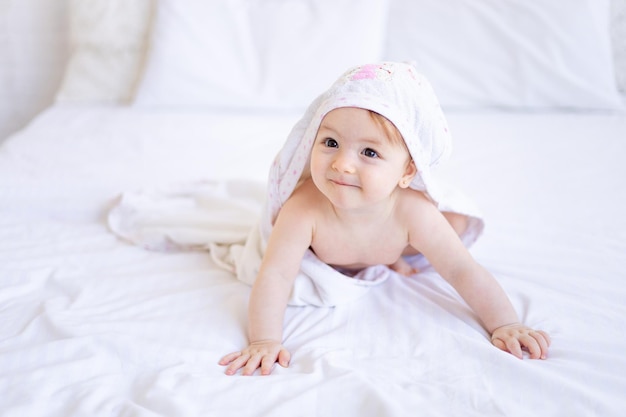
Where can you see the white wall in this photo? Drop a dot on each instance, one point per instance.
(33, 52)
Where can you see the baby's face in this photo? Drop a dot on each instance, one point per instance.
(354, 162)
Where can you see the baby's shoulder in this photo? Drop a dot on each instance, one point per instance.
(414, 205)
(304, 198)
(412, 197)
(305, 192)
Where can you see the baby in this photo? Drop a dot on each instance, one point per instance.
(367, 199)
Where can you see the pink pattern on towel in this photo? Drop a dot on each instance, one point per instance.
(366, 72)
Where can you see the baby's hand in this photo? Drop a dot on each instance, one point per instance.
(513, 337)
(263, 354)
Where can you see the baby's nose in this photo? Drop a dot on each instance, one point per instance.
(343, 163)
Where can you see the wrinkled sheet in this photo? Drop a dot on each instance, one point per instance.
(92, 325)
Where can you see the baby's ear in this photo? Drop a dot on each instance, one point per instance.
(409, 174)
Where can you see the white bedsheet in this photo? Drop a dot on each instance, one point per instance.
(93, 326)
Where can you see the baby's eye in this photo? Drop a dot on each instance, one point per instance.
(331, 143)
(370, 153)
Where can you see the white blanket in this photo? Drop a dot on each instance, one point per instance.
(218, 216)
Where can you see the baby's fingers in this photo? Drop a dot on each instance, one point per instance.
(237, 364)
(541, 341)
(535, 342)
(507, 338)
(268, 361)
(545, 336)
(532, 345)
(266, 364)
(229, 358)
(514, 347)
(252, 364)
(284, 357)
(499, 344)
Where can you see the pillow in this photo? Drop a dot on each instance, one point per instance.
(33, 52)
(256, 53)
(108, 41)
(618, 36)
(533, 54)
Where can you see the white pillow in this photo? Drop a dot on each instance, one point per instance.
(618, 36)
(533, 54)
(256, 53)
(108, 39)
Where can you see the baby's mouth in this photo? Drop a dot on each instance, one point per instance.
(341, 182)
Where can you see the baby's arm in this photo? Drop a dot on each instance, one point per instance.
(290, 238)
(486, 297)
(435, 238)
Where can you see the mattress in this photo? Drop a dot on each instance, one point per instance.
(93, 325)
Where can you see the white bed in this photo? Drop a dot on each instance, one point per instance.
(95, 326)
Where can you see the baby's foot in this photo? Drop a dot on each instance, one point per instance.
(402, 267)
